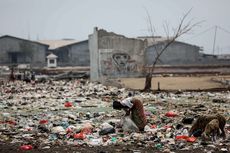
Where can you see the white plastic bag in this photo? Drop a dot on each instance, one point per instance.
(128, 125)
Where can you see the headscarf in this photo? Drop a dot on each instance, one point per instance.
(127, 102)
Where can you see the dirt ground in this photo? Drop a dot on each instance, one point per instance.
(178, 82)
(166, 83)
(14, 148)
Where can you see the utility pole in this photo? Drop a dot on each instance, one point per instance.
(214, 43)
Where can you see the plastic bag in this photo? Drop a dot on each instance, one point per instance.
(128, 125)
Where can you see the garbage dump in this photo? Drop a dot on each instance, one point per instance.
(80, 113)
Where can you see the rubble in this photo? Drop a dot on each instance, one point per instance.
(80, 113)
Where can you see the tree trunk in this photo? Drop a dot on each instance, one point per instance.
(148, 82)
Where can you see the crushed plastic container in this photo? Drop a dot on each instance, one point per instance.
(185, 137)
(181, 137)
(80, 136)
(26, 147)
(95, 142)
(68, 104)
(191, 139)
(43, 121)
(171, 114)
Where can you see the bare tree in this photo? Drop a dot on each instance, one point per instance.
(183, 28)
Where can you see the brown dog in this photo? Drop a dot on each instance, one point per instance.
(203, 120)
(212, 128)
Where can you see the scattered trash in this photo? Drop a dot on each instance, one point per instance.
(224, 149)
(187, 138)
(187, 120)
(43, 121)
(34, 114)
(129, 125)
(191, 139)
(107, 131)
(171, 114)
(79, 136)
(158, 146)
(96, 142)
(26, 147)
(68, 104)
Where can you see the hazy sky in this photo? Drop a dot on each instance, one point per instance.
(58, 19)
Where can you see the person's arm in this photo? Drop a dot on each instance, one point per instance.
(127, 112)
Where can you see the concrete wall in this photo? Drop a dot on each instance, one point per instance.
(76, 54)
(94, 56)
(19, 51)
(115, 55)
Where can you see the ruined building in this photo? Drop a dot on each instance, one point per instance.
(113, 55)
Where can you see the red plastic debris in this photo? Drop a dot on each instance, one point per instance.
(168, 126)
(69, 130)
(153, 126)
(68, 104)
(170, 114)
(26, 147)
(79, 136)
(11, 122)
(180, 137)
(191, 139)
(8, 122)
(86, 130)
(43, 121)
(185, 137)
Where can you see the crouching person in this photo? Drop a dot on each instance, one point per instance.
(133, 108)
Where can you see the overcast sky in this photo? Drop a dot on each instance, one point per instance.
(58, 19)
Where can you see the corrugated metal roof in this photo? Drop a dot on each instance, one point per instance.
(31, 41)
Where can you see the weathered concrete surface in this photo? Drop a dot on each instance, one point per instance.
(114, 55)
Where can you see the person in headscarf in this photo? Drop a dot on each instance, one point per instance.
(135, 109)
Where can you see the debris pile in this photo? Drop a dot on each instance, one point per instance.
(80, 113)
